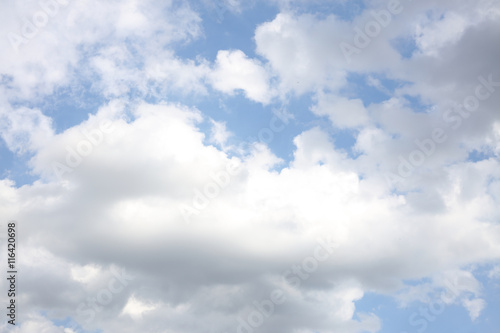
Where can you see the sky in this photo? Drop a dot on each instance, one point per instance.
(280, 166)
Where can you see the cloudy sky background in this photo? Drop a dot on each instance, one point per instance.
(175, 93)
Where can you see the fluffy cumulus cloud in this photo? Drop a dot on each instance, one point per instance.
(142, 215)
(234, 71)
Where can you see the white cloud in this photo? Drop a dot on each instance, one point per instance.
(342, 112)
(84, 274)
(254, 221)
(55, 53)
(302, 62)
(36, 324)
(474, 306)
(25, 130)
(219, 133)
(432, 36)
(235, 71)
(136, 308)
(120, 204)
(447, 287)
(170, 73)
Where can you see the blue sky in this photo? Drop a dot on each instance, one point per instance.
(168, 162)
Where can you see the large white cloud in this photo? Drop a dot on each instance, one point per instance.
(236, 249)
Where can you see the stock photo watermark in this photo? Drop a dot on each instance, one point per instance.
(371, 30)
(421, 319)
(86, 311)
(222, 178)
(294, 276)
(452, 118)
(32, 26)
(220, 10)
(211, 190)
(76, 154)
(12, 271)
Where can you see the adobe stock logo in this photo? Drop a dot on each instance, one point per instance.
(105, 296)
(372, 29)
(211, 190)
(31, 26)
(294, 276)
(453, 118)
(220, 180)
(74, 155)
(220, 9)
(87, 310)
(429, 313)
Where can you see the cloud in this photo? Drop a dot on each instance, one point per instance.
(302, 62)
(235, 251)
(25, 130)
(135, 308)
(235, 71)
(474, 306)
(109, 189)
(342, 112)
(76, 31)
(219, 133)
(437, 34)
(37, 323)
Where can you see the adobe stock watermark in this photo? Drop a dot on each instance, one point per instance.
(221, 179)
(31, 26)
(211, 190)
(76, 154)
(220, 10)
(453, 118)
(425, 315)
(371, 30)
(86, 311)
(295, 275)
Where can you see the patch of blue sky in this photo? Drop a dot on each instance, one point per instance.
(345, 10)
(252, 122)
(6, 80)
(14, 167)
(66, 106)
(406, 46)
(342, 139)
(304, 119)
(69, 107)
(488, 321)
(477, 155)
(369, 88)
(433, 317)
(438, 317)
(416, 104)
(455, 318)
(394, 319)
(227, 30)
(345, 140)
